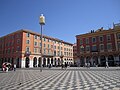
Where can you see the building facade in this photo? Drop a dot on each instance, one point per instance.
(23, 48)
(75, 54)
(99, 46)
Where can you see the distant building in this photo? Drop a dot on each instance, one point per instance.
(23, 48)
(99, 46)
(75, 53)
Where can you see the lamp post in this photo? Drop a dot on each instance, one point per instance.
(41, 22)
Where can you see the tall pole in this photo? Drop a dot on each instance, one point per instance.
(42, 22)
(41, 51)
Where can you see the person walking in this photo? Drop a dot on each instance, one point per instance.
(107, 66)
(62, 66)
(14, 67)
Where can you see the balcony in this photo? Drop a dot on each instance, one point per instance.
(47, 55)
(27, 53)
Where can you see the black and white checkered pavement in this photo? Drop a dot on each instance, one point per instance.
(70, 79)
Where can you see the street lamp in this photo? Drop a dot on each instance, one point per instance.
(41, 22)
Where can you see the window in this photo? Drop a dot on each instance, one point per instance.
(35, 36)
(54, 53)
(12, 50)
(108, 38)
(28, 34)
(87, 48)
(40, 44)
(67, 49)
(18, 35)
(44, 51)
(58, 53)
(65, 53)
(18, 48)
(101, 47)
(93, 40)
(35, 50)
(58, 47)
(48, 51)
(87, 41)
(81, 42)
(101, 38)
(48, 46)
(27, 41)
(18, 41)
(109, 46)
(27, 49)
(64, 49)
(94, 48)
(81, 48)
(44, 45)
(44, 39)
(9, 50)
(35, 43)
(54, 47)
(118, 36)
(12, 37)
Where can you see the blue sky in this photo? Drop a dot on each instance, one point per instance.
(64, 18)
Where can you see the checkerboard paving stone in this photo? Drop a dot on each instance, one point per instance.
(60, 80)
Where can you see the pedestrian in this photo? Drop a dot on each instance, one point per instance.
(88, 64)
(65, 65)
(62, 66)
(14, 67)
(4, 67)
(107, 66)
(85, 64)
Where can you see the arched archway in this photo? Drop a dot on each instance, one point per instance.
(82, 62)
(48, 61)
(27, 61)
(55, 62)
(5, 59)
(58, 62)
(102, 61)
(9, 60)
(35, 62)
(67, 61)
(52, 61)
(111, 60)
(18, 62)
(88, 60)
(39, 62)
(44, 62)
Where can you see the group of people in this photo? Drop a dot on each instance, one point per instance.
(64, 66)
(87, 65)
(8, 67)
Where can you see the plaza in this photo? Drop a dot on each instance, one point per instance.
(72, 78)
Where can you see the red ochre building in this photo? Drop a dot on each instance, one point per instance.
(75, 53)
(23, 48)
(99, 46)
